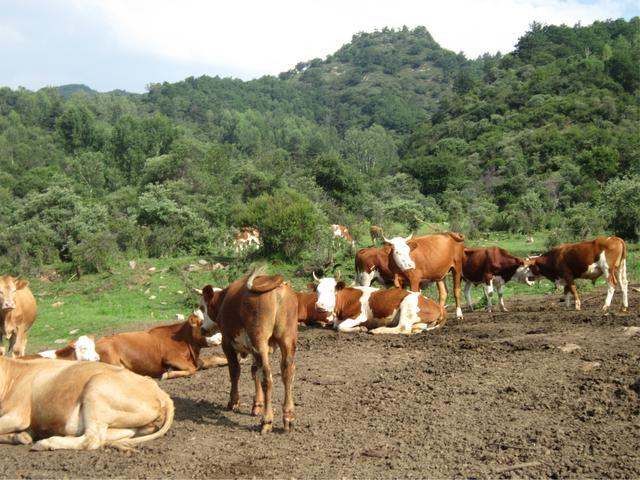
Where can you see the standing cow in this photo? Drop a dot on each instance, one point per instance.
(17, 315)
(428, 258)
(589, 259)
(255, 313)
(376, 233)
(492, 266)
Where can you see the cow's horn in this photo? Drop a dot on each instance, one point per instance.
(409, 237)
(386, 239)
(315, 278)
(338, 276)
(198, 291)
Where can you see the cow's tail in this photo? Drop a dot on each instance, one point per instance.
(259, 282)
(458, 237)
(168, 410)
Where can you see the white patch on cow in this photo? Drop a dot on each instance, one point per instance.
(364, 279)
(597, 268)
(85, 349)
(401, 254)
(624, 283)
(337, 232)
(179, 317)
(326, 290)
(353, 324)
(524, 275)
(48, 354)
(214, 340)
(198, 313)
(467, 293)
(242, 344)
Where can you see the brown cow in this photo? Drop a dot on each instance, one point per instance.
(83, 349)
(392, 310)
(428, 258)
(491, 265)
(376, 232)
(17, 315)
(307, 312)
(372, 263)
(589, 259)
(79, 405)
(167, 351)
(254, 314)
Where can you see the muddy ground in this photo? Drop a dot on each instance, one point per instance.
(490, 396)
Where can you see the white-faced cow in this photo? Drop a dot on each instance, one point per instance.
(428, 259)
(493, 267)
(589, 259)
(392, 310)
(83, 349)
(256, 313)
(79, 405)
(17, 315)
(247, 238)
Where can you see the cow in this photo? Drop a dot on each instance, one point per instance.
(17, 315)
(493, 266)
(589, 259)
(79, 405)
(168, 351)
(372, 263)
(428, 258)
(376, 232)
(246, 238)
(340, 231)
(308, 314)
(82, 349)
(392, 310)
(256, 313)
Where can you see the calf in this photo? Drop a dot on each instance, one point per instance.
(83, 349)
(254, 314)
(392, 310)
(491, 265)
(307, 312)
(79, 405)
(17, 315)
(167, 351)
(589, 259)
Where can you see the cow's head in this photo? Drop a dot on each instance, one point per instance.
(196, 333)
(529, 272)
(326, 289)
(8, 288)
(401, 251)
(210, 300)
(85, 349)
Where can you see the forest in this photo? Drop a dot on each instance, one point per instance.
(390, 129)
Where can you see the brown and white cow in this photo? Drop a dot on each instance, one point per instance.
(79, 405)
(256, 313)
(245, 239)
(307, 311)
(376, 233)
(589, 259)
(168, 351)
(372, 264)
(340, 231)
(428, 258)
(494, 267)
(17, 315)
(392, 310)
(83, 349)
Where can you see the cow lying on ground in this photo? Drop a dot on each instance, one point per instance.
(254, 314)
(428, 258)
(492, 266)
(589, 259)
(79, 405)
(307, 311)
(392, 310)
(17, 315)
(168, 351)
(83, 349)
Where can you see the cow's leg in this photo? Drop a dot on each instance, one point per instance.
(288, 370)
(212, 361)
(12, 344)
(350, 325)
(267, 386)
(258, 398)
(442, 293)
(467, 294)
(488, 292)
(182, 366)
(574, 291)
(457, 291)
(21, 341)
(624, 284)
(407, 317)
(500, 289)
(18, 438)
(13, 426)
(234, 375)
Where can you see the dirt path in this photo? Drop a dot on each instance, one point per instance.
(489, 396)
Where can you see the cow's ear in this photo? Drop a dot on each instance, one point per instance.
(311, 286)
(412, 245)
(340, 285)
(194, 321)
(20, 284)
(207, 293)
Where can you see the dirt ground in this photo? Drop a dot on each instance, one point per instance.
(491, 396)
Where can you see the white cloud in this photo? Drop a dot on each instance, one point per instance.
(267, 37)
(10, 36)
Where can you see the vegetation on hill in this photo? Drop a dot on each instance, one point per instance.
(390, 129)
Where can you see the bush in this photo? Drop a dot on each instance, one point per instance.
(622, 206)
(95, 252)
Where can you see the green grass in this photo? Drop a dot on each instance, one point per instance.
(101, 303)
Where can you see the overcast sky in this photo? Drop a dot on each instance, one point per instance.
(127, 44)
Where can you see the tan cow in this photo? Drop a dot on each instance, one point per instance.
(392, 310)
(429, 258)
(17, 315)
(256, 313)
(79, 405)
(376, 233)
(168, 351)
(589, 259)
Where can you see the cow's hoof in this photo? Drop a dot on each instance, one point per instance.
(267, 427)
(288, 424)
(22, 438)
(257, 409)
(233, 406)
(39, 446)
(624, 310)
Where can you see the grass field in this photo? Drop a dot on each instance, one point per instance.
(157, 289)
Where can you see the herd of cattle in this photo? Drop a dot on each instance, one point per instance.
(64, 402)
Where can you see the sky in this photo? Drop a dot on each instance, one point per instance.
(128, 44)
